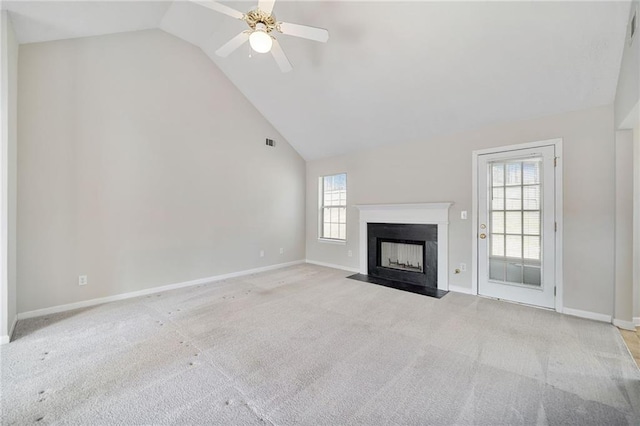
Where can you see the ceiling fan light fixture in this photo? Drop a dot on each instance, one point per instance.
(262, 23)
(259, 40)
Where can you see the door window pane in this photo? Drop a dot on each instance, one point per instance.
(514, 272)
(515, 219)
(497, 222)
(497, 245)
(531, 197)
(497, 174)
(496, 269)
(532, 275)
(514, 246)
(531, 223)
(514, 198)
(514, 222)
(497, 201)
(530, 172)
(514, 173)
(531, 247)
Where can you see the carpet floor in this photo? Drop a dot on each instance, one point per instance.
(305, 345)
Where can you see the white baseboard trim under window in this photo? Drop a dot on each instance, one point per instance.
(152, 290)
(625, 325)
(586, 314)
(334, 266)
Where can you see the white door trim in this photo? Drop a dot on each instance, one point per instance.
(557, 143)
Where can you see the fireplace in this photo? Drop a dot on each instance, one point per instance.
(403, 252)
(405, 246)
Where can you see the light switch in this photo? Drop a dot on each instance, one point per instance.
(463, 215)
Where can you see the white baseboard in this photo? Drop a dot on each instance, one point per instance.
(153, 290)
(625, 325)
(586, 314)
(13, 326)
(459, 289)
(636, 321)
(7, 338)
(331, 265)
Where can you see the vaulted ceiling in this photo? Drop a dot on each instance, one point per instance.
(392, 72)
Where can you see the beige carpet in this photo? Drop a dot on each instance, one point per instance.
(304, 345)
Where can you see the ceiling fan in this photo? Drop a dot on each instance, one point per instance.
(262, 22)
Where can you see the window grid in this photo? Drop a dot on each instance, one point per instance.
(333, 207)
(515, 221)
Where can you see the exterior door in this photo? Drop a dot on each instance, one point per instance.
(516, 226)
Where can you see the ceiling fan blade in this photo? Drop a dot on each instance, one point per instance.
(280, 57)
(311, 33)
(219, 7)
(233, 44)
(266, 6)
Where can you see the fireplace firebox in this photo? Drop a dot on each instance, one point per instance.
(407, 253)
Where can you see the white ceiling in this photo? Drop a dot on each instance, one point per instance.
(392, 72)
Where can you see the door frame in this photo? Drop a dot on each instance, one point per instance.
(557, 143)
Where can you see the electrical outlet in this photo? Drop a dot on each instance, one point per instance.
(463, 267)
(261, 253)
(350, 253)
(281, 250)
(82, 280)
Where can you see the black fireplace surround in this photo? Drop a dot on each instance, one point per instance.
(425, 236)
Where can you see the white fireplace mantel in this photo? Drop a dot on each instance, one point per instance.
(417, 213)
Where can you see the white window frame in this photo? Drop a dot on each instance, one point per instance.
(321, 207)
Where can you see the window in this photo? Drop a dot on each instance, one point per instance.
(515, 225)
(333, 207)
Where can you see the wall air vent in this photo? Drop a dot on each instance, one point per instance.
(271, 142)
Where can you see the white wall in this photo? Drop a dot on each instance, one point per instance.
(623, 311)
(636, 224)
(440, 170)
(141, 165)
(627, 116)
(8, 178)
(628, 89)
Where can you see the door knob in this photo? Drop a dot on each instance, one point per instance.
(483, 236)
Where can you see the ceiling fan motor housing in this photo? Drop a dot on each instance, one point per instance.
(256, 16)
